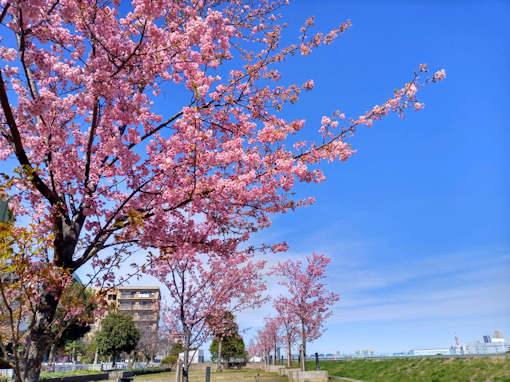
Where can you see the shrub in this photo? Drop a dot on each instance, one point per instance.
(170, 359)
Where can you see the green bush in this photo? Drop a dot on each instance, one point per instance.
(170, 359)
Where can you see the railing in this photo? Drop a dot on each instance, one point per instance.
(67, 366)
(136, 306)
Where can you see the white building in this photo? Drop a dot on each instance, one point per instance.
(477, 347)
(196, 356)
(429, 352)
(498, 337)
(364, 353)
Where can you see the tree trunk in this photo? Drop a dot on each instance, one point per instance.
(51, 357)
(131, 359)
(303, 344)
(218, 364)
(185, 366)
(289, 354)
(39, 338)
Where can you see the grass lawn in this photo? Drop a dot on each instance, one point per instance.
(228, 375)
(481, 369)
(46, 374)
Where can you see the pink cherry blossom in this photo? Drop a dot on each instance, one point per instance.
(106, 167)
(440, 75)
(308, 303)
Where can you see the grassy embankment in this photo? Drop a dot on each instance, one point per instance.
(481, 369)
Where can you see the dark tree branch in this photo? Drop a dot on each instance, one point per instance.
(19, 150)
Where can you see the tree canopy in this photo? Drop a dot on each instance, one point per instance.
(118, 334)
(232, 347)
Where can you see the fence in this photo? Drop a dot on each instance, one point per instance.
(65, 367)
(6, 373)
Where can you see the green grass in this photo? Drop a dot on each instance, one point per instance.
(45, 374)
(481, 369)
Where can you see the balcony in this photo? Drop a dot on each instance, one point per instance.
(145, 317)
(137, 306)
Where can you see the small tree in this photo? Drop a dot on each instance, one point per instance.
(202, 287)
(263, 345)
(173, 355)
(118, 334)
(73, 349)
(274, 333)
(289, 326)
(223, 326)
(309, 301)
(227, 343)
(148, 344)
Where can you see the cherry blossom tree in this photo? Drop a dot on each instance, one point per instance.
(204, 287)
(104, 165)
(289, 325)
(263, 345)
(272, 328)
(308, 299)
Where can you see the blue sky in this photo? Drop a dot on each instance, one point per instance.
(417, 221)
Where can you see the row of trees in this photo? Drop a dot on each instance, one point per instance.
(301, 313)
(97, 165)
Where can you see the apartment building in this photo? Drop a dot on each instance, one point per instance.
(140, 302)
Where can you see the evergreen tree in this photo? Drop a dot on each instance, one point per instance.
(118, 334)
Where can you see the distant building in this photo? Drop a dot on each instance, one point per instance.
(477, 347)
(498, 337)
(486, 339)
(364, 353)
(196, 356)
(425, 352)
